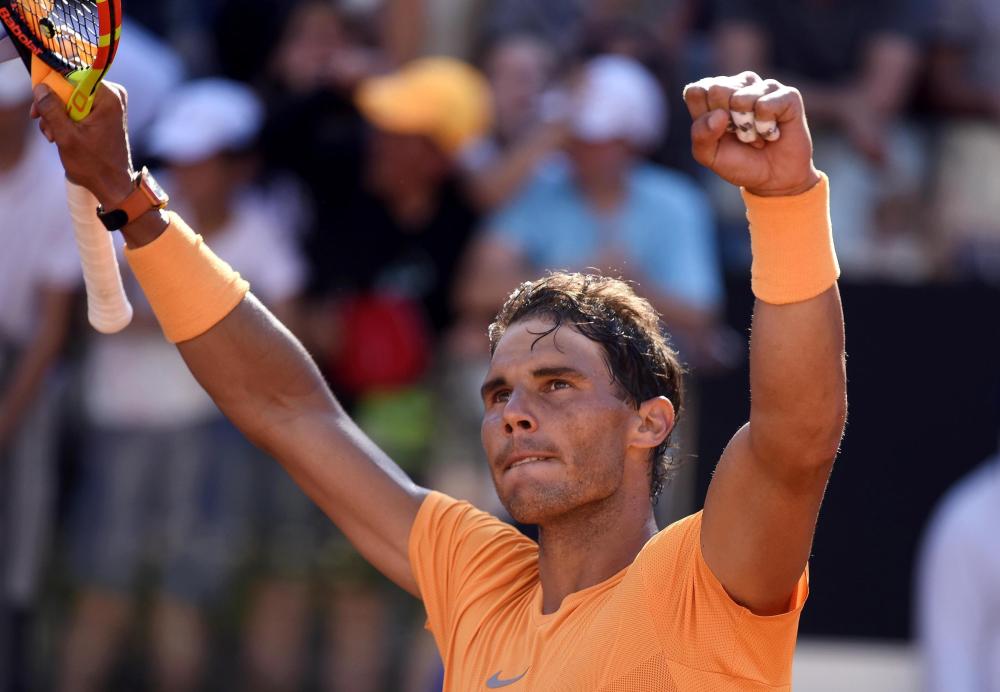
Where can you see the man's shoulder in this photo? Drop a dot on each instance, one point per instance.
(680, 534)
(461, 555)
(670, 553)
(459, 522)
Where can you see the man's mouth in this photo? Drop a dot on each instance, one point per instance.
(527, 460)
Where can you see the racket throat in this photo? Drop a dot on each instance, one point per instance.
(76, 90)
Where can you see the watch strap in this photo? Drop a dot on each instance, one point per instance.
(139, 201)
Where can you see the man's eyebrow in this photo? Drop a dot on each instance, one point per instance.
(490, 385)
(557, 371)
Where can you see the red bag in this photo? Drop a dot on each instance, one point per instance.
(384, 343)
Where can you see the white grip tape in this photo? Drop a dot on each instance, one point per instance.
(108, 309)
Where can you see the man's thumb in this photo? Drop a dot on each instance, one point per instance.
(706, 132)
(51, 109)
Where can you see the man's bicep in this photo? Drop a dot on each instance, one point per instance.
(758, 526)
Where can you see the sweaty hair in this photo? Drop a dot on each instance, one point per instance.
(607, 311)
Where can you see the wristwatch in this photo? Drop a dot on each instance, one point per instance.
(147, 195)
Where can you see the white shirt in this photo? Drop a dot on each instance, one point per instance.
(37, 248)
(958, 587)
(136, 378)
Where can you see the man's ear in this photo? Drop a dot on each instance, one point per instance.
(655, 420)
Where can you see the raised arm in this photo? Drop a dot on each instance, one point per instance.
(763, 502)
(254, 369)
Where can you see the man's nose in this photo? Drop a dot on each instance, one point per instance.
(517, 414)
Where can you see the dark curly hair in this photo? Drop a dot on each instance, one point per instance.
(607, 311)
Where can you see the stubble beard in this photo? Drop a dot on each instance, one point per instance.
(554, 502)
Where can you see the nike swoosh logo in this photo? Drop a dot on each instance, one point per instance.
(495, 682)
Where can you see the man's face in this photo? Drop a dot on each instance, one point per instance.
(400, 161)
(205, 182)
(554, 427)
(600, 162)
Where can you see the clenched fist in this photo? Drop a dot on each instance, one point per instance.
(767, 149)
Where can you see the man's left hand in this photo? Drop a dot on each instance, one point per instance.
(774, 156)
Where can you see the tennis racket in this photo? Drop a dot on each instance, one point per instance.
(69, 45)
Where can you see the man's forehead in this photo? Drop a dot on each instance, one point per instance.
(525, 337)
(532, 340)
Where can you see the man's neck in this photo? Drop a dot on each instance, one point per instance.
(412, 207)
(605, 196)
(591, 545)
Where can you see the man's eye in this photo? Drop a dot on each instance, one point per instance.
(501, 396)
(559, 384)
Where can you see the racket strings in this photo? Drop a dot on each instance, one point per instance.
(70, 29)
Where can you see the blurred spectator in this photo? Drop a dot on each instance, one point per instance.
(520, 68)
(958, 587)
(855, 63)
(313, 128)
(605, 208)
(39, 274)
(561, 23)
(964, 86)
(364, 36)
(184, 25)
(323, 46)
(163, 471)
(148, 89)
(392, 221)
(658, 43)
(407, 222)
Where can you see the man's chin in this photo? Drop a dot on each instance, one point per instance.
(528, 507)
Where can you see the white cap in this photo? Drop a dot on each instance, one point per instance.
(204, 118)
(15, 84)
(619, 99)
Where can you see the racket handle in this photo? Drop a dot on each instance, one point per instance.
(108, 309)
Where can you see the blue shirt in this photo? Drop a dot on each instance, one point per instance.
(665, 228)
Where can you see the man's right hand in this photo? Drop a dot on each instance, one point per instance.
(95, 152)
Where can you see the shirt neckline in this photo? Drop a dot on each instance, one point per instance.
(571, 601)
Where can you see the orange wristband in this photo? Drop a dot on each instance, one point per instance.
(189, 287)
(792, 243)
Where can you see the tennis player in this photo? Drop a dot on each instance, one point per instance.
(580, 400)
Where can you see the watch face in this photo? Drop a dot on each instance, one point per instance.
(158, 193)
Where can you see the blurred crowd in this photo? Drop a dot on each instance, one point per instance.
(383, 200)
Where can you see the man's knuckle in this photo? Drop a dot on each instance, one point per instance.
(719, 93)
(695, 91)
(742, 102)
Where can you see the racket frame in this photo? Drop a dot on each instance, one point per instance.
(77, 88)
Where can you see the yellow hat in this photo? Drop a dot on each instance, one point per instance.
(442, 98)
